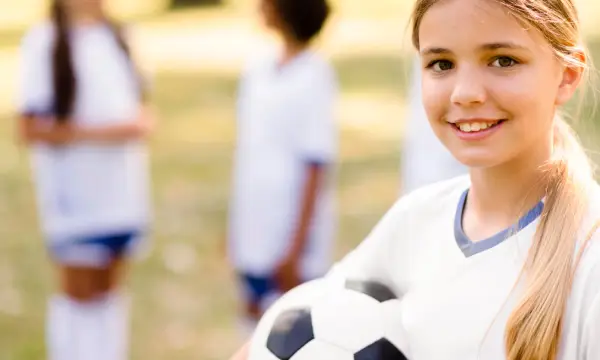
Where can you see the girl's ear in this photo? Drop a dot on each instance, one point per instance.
(571, 77)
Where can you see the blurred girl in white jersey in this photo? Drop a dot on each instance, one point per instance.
(282, 222)
(505, 263)
(83, 114)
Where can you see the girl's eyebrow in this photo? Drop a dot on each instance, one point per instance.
(484, 47)
(502, 45)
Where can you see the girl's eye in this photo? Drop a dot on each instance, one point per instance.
(504, 61)
(441, 65)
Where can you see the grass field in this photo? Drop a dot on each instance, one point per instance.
(183, 291)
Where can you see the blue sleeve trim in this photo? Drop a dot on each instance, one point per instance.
(37, 113)
(317, 162)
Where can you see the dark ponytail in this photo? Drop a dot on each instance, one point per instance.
(63, 72)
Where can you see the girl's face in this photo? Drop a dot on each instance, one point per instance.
(490, 84)
(84, 7)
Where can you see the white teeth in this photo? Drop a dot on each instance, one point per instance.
(475, 126)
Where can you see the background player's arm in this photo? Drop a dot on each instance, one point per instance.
(242, 353)
(288, 271)
(39, 129)
(315, 146)
(137, 128)
(314, 175)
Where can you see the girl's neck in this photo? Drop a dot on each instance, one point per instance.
(291, 49)
(85, 19)
(509, 190)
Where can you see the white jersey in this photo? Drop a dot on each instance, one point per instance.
(285, 121)
(425, 160)
(86, 189)
(459, 294)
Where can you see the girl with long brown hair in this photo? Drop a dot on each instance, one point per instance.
(84, 117)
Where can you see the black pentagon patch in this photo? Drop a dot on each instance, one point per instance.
(291, 331)
(380, 350)
(374, 289)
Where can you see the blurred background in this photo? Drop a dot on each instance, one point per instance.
(193, 50)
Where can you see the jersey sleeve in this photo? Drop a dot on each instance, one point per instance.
(317, 135)
(35, 77)
(372, 259)
(242, 92)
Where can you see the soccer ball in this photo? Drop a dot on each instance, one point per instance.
(322, 319)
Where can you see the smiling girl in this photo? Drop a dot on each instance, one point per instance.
(504, 263)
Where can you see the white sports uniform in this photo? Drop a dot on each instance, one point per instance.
(425, 160)
(285, 123)
(455, 290)
(89, 193)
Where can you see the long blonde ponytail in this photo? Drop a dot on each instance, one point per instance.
(534, 328)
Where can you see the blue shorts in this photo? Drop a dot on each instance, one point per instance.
(257, 289)
(96, 251)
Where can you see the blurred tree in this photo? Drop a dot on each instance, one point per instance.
(187, 3)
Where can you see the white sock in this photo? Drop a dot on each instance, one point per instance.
(95, 330)
(116, 317)
(59, 329)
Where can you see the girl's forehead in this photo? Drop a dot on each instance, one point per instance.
(468, 23)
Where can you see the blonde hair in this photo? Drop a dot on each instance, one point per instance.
(534, 328)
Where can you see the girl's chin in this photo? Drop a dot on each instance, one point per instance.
(478, 159)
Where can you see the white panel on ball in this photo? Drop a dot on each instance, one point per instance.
(348, 319)
(319, 350)
(394, 325)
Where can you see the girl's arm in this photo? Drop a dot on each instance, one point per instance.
(138, 128)
(44, 129)
(287, 273)
(242, 353)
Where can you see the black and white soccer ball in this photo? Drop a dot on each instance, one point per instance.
(343, 320)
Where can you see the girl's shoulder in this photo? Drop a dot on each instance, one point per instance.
(39, 37)
(587, 275)
(430, 196)
(260, 58)
(439, 199)
(590, 229)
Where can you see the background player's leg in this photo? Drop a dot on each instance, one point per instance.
(254, 292)
(118, 310)
(59, 328)
(89, 319)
